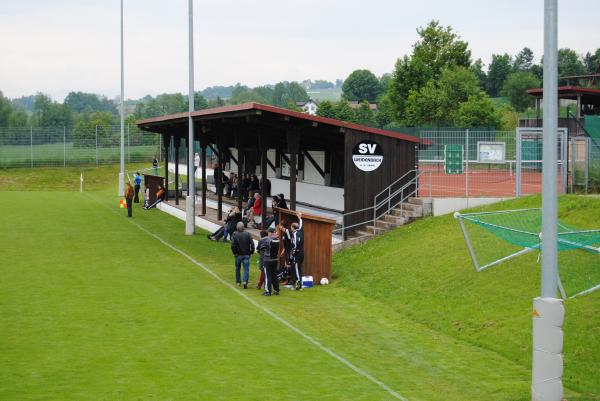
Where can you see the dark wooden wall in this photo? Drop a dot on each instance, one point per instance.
(360, 187)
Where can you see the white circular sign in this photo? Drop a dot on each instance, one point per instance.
(367, 155)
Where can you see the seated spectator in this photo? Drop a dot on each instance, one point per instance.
(233, 217)
(256, 209)
(159, 197)
(254, 183)
(275, 201)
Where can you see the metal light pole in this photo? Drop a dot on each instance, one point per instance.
(122, 173)
(548, 312)
(190, 201)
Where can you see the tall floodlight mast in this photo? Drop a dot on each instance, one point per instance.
(548, 311)
(122, 171)
(190, 201)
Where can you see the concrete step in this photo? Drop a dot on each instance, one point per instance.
(375, 230)
(426, 204)
(412, 207)
(364, 233)
(385, 225)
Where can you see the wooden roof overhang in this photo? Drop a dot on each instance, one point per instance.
(254, 120)
(587, 95)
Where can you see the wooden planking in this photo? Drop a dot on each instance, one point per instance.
(317, 243)
(360, 187)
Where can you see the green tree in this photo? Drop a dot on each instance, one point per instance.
(361, 85)
(166, 103)
(477, 69)
(515, 88)
(438, 48)
(364, 115)
(5, 110)
(18, 118)
(523, 60)
(385, 112)
(200, 102)
(48, 113)
(438, 101)
(592, 61)
(569, 63)
(326, 109)
(425, 106)
(344, 112)
(477, 111)
(79, 102)
(498, 71)
(509, 118)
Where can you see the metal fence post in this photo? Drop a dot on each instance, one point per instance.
(573, 154)
(64, 146)
(128, 146)
(31, 144)
(96, 145)
(518, 165)
(588, 156)
(467, 163)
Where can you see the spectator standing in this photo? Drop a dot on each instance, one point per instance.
(297, 256)
(155, 165)
(269, 248)
(137, 181)
(146, 197)
(242, 247)
(264, 237)
(196, 162)
(129, 198)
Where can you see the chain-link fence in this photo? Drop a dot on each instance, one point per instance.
(467, 163)
(490, 163)
(44, 147)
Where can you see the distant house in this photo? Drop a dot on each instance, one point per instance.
(355, 105)
(309, 107)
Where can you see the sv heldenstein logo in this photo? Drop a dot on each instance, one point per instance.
(367, 155)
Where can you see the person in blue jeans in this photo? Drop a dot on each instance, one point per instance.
(242, 246)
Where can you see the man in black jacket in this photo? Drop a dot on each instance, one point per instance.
(242, 247)
(269, 251)
(297, 254)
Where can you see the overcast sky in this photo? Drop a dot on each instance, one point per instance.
(57, 46)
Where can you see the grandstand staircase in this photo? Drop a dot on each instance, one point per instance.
(403, 213)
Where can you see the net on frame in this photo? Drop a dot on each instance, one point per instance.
(521, 228)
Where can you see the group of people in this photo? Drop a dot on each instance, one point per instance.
(268, 248)
(247, 184)
(132, 194)
(248, 216)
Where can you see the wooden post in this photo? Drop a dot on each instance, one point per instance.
(203, 145)
(239, 144)
(218, 182)
(177, 144)
(263, 147)
(187, 152)
(293, 142)
(167, 143)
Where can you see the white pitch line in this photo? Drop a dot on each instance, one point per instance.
(269, 312)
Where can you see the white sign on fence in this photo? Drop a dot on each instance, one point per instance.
(491, 152)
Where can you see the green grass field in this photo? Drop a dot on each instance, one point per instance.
(93, 306)
(331, 94)
(56, 154)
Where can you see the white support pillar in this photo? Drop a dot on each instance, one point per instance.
(547, 363)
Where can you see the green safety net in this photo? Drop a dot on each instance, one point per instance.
(523, 227)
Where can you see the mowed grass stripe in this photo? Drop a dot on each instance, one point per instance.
(93, 308)
(270, 313)
(373, 335)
